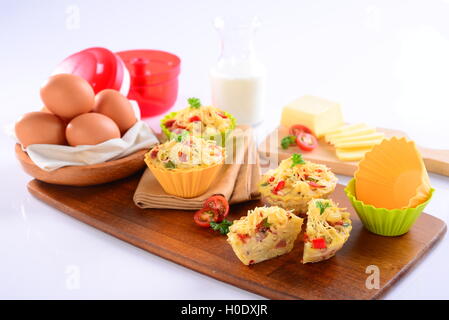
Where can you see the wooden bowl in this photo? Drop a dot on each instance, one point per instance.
(84, 175)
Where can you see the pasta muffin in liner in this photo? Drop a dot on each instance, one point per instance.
(265, 233)
(295, 182)
(207, 122)
(186, 166)
(328, 228)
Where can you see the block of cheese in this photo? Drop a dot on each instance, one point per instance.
(318, 114)
(352, 154)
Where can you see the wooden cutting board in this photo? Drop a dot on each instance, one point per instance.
(172, 234)
(436, 160)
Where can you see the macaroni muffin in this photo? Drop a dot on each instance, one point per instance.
(203, 121)
(295, 182)
(185, 166)
(265, 233)
(328, 228)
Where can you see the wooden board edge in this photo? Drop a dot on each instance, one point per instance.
(416, 261)
(167, 255)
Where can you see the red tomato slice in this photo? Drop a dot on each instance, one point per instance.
(219, 203)
(306, 141)
(298, 128)
(204, 216)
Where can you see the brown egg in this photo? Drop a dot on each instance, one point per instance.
(116, 106)
(40, 127)
(67, 95)
(91, 129)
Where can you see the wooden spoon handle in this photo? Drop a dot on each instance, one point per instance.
(436, 160)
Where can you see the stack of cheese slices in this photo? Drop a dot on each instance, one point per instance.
(352, 141)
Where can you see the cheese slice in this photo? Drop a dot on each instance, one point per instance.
(365, 137)
(352, 133)
(345, 128)
(358, 144)
(352, 154)
(318, 114)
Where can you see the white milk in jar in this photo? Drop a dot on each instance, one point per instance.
(238, 78)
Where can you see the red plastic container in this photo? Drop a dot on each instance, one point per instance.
(148, 76)
(154, 79)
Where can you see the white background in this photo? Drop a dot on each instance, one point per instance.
(386, 62)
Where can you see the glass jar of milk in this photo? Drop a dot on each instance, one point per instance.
(238, 78)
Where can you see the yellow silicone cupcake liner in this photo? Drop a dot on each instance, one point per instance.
(185, 183)
(392, 175)
(385, 222)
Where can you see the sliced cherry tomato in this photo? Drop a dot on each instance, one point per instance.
(194, 119)
(204, 216)
(296, 129)
(306, 141)
(319, 243)
(219, 203)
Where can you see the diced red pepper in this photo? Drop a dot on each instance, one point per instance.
(319, 243)
(313, 184)
(222, 115)
(243, 237)
(182, 156)
(279, 187)
(306, 237)
(194, 119)
(170, 123)
(271, 179)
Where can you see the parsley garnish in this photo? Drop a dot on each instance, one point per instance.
(194, 103)
(181, 136)
(287, 141)
(297, 159)
(265, 223)
(170, 165)
(222, 227)
(322, 206)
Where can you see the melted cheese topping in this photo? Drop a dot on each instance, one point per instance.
(332, 223)
(212, 121)
(309, 179)
(190, 152)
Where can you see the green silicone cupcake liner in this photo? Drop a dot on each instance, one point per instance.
(382, 221)
(224, 135)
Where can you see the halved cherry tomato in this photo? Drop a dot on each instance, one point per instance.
(219, 203)
(204, 216)
(194, 119)
(306, 141)
(296, 129)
